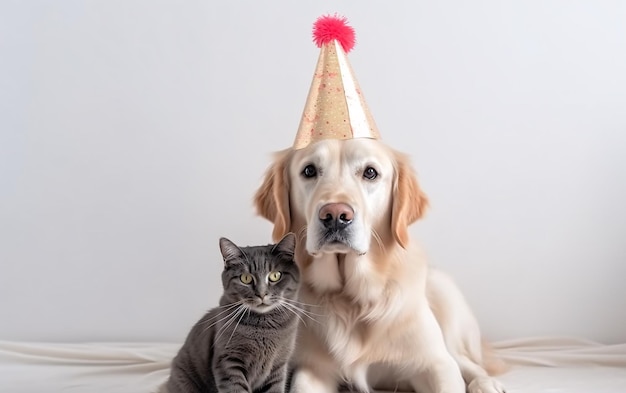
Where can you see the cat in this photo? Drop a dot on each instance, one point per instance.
(245, 344)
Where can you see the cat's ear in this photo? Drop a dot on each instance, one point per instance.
(229, 250)
(286, 246)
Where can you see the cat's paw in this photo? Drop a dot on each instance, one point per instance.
(485, 385)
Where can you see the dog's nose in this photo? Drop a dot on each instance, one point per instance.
(336, 215)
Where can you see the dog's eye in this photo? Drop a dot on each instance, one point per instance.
(370, 173)
(309, 171)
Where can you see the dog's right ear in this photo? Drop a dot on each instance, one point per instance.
(272, 198)
(409, 201)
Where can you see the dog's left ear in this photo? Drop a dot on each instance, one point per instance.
(409, 201)
(272, 198)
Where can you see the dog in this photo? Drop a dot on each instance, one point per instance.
(379, 317)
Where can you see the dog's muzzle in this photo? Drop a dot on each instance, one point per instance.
(336, 217)
(335, 220)
(336, 231)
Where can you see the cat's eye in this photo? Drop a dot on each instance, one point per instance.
(246, 278)
(275, 276)
(370, 173)
(309, 171)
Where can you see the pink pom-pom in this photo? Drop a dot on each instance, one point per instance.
(333, 27)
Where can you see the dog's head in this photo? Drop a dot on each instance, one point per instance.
(341, 196)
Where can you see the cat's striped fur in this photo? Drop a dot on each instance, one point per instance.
(244, 345)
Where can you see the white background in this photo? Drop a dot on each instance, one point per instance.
(133, 135)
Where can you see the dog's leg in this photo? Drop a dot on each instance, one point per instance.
(439, 376)
(478, 381)
(314, 370)
(461, 332)
(359, 379)
(307, 380)
(437, 370)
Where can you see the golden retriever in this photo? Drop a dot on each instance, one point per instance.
(383, 319)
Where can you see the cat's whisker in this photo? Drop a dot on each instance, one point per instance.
(230, 304)
(311, 317)
(230, 307)
(285, 307)
(281, 309)
(230, 317)
(223, 329)
(237, 325)
(300, 311)
(301, 308)
(213, 324)
(300, 303)
(229, 314)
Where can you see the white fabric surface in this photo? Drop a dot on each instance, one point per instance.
(539, 365)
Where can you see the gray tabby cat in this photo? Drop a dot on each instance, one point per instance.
(244, 345)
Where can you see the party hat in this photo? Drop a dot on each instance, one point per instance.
(335, 107)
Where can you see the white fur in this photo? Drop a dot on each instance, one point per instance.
(381, 317)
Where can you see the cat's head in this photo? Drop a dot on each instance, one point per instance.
(261, 277)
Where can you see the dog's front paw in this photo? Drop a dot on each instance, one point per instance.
(485, 385)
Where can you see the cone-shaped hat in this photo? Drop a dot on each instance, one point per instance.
(335, 107)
